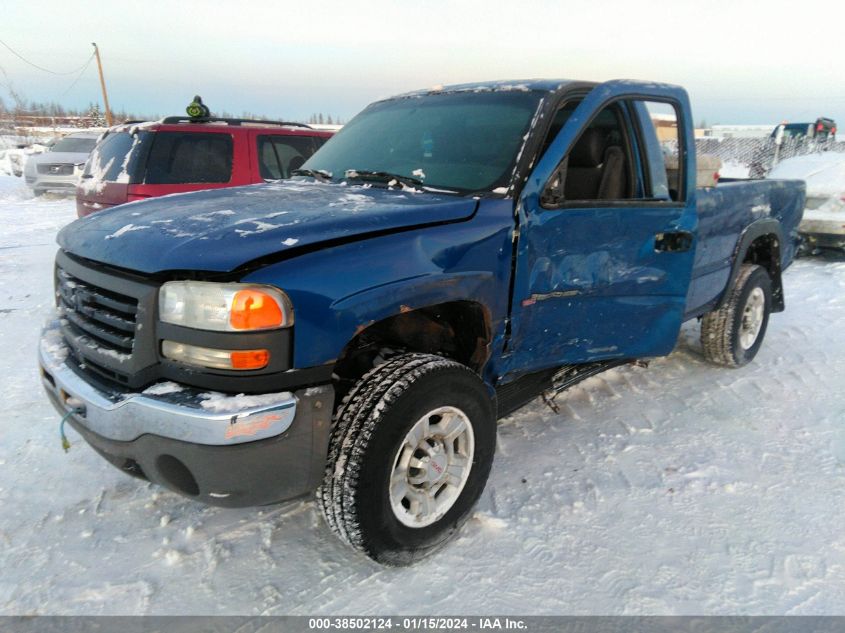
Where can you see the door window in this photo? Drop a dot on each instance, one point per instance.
(630, 151)
(663, 119)
(600, 164)
(187, 158)
(279, 156)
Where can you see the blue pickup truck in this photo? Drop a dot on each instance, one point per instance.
(356, 331)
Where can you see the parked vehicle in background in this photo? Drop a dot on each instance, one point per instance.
(58, 168)
(449, 256)
(822, 129)
(790, 139)
(179, 154)
(823, 226)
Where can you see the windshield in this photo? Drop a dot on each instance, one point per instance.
(466, 141)
(74, 144)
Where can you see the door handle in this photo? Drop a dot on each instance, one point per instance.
(673, 241)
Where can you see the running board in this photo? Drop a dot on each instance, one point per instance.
(548, 383)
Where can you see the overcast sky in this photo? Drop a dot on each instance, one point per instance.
(742, 61)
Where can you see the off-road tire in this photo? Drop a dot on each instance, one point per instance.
(369, 426)
(720, 329)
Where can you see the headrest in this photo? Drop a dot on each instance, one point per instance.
(589, 150)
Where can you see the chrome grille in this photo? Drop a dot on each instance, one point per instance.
(55, 169)
(107, 318)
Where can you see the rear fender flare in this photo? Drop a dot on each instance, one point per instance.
(762, 228)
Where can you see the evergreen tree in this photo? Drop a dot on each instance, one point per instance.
(96, 117)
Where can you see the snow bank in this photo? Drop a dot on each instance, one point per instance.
(824, 173)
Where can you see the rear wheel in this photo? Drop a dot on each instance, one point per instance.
(732, 335)
(409, 456)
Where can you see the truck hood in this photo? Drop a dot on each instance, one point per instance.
(223, 229)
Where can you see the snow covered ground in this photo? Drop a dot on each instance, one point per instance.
(677, 489)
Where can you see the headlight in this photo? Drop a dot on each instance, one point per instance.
(224, 307)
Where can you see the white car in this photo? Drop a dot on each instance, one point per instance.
(823, 225)
(58, 169)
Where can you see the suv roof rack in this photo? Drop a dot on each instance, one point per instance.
(185, 119)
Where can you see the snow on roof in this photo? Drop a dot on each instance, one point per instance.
(541, 85)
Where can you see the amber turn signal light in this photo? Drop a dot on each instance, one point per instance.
(215, 358)
(250, 359)
(255, 310)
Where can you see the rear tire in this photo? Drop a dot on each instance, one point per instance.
(732, 335)
(409, 456)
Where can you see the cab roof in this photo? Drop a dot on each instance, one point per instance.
(535, 85)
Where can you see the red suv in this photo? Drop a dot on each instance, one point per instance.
(136, 160)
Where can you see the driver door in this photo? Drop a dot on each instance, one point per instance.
(605, 248)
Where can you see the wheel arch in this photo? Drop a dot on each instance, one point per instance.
(459, 329)
(760, 243)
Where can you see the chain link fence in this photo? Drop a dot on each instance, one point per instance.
(759, 155)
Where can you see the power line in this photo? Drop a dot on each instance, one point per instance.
(46, 70)
(79, 76)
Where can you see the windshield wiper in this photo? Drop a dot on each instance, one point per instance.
(382, 176)
(320, 174)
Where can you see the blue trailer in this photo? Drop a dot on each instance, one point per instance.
(448, 256)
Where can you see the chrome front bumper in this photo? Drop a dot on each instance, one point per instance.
(48, 182)
(184, 414)
(224, 450)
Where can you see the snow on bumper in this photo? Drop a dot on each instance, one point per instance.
(175, 412)
(224, 450)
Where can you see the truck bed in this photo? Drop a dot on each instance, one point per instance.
(724, 212)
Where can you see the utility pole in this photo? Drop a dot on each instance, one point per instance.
(109, 120)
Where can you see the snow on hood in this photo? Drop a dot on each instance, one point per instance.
(824, 173)
(219, 230)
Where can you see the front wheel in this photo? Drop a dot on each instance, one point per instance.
(732, 335)
(409, 456)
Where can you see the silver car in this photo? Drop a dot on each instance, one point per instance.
(58, 169)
